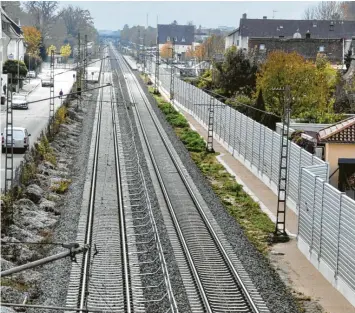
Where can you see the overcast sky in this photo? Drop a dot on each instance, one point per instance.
(113, 15)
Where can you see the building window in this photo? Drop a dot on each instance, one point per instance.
(183, 39)
(314, 24)
(262, 47)
(237, 43)
(321, 49)
(168, 38)
(175, 39)
(281, 26)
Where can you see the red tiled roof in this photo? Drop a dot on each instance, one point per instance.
(343, 132)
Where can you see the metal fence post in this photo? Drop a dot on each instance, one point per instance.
(338, 241)
(299, 212)
(252, 145)
(271, 156)
(229, 128)
(240, 132)
(321, 225)
(299, 170)
(314, 207)
(234, 131)
(260, 141)
(245, 138)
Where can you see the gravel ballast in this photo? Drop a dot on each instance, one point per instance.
(55, 275)
(174, 273)
(267, 281)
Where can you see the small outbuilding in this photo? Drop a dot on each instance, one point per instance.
(339, 142)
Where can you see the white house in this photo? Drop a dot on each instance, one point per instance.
(12, 40)
(182, 35)
(286, 29)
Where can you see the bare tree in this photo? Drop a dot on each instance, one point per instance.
(326, 10)
(76, 19)
(349, 9)
(44, 14)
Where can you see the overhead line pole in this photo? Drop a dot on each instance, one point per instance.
(280, 234)
(157, 55)
(9, 156)
(51, 91)
(78, 75)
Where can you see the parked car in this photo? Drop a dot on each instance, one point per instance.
(19, 102)
(31, 74)
(46, 82)
(20, 139)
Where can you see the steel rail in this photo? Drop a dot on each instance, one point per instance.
(121, 215)
(90, 217)
(170, 206)
(173, 305)
(218, 243)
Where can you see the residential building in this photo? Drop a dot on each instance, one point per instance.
(339, 142)
(12, 40)
(287, 29)
(308, 47)
(182, 35)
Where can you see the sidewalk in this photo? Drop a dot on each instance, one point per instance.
(301, 274)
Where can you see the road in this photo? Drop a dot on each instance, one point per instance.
(36, 117)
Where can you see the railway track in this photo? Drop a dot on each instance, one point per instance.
(116, 221)
(223, 284)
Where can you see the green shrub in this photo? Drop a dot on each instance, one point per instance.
(62, 186)
(45, 151)
(193, 141)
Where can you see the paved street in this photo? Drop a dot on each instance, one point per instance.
(36, 117)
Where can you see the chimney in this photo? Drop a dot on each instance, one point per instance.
(244, 16)
(264, 17)
(308, 35)
(18, 22)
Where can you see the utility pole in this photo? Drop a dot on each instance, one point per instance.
(51, 91)
(144, 54)
(78, 76)
(172, 71)
(9, 157)
(209, 146)
(156, 82)
(85, 55)
(139, 48)
(280, 234)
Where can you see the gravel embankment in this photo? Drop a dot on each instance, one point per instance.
(174, 274)
(268, 282)
(55, 275)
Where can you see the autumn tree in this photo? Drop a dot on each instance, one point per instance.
(312, 85)
(213, 45)
(166, 51)
(32, 38)
(189, 53)
(50, 49)
(65, 51)
(200, 52)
